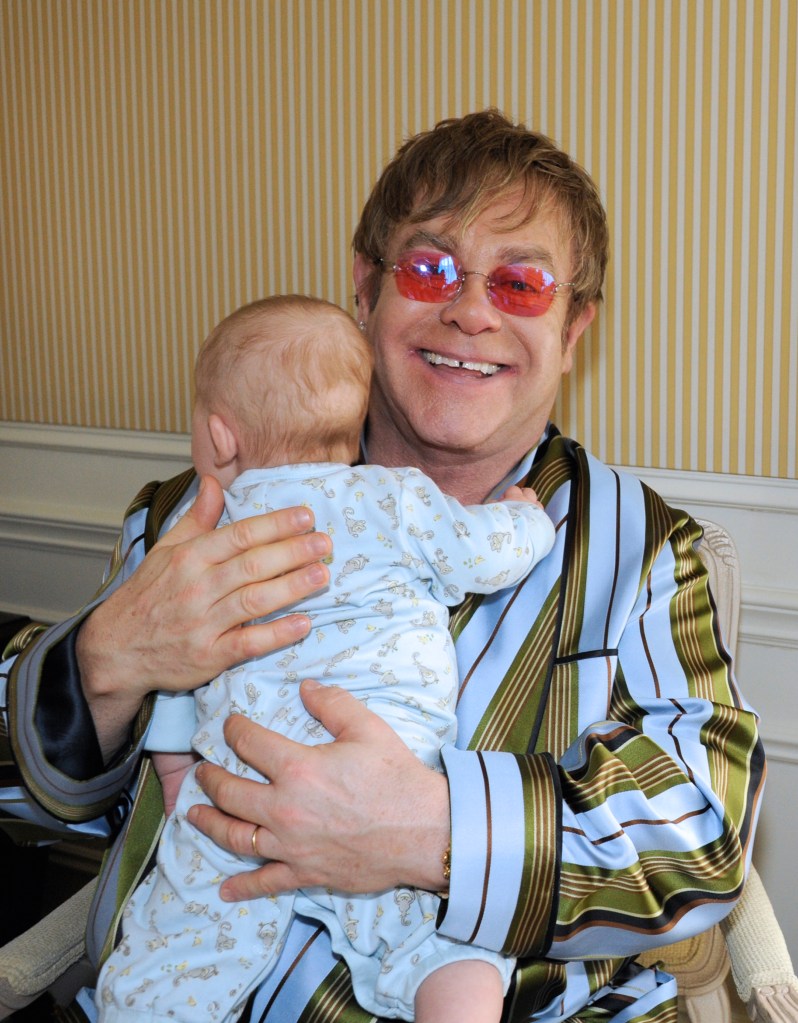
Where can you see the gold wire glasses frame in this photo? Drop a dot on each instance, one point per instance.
(516, 288)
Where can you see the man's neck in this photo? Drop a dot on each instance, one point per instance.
(469, 479)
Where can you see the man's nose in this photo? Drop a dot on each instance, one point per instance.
(471, 309)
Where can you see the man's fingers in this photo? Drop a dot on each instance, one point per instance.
(270, 879)
(228, 832)
(201, 517)
(208, 505)
(252, 549)
(338, 710)
(245, 571)
(268, 752)
(341, 713)
(242, 644)
(238, 800)
(241, 544)
(316, 817)
(236, 836)
(276, 573)
(279, 582)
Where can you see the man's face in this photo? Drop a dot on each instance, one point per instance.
(461, 380)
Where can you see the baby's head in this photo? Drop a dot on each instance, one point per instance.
(284, 379)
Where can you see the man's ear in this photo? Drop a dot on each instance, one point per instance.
(573, 332)
(363, 274)
(225, 443)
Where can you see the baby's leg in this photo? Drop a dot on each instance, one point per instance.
(470, 991)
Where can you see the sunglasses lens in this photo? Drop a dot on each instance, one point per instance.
(522, 290)
(436, 277)
(427, 277)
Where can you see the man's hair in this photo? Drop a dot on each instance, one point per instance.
(463, 166)
(293, 372)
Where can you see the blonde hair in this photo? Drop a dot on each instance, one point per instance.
(291, 374)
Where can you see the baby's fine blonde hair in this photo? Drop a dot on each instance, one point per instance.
(291, 373)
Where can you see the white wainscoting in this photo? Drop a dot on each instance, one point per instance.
(63, 491)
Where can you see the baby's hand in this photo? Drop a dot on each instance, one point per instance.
(521, 494)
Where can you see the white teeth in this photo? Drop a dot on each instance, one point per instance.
(487, 368)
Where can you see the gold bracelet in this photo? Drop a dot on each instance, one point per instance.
(446, 860)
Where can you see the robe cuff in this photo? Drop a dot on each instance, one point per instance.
(506, 840)
(52, 734)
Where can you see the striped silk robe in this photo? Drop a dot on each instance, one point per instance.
(604, 787)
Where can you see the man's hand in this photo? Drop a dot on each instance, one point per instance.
(176, 622)
(358, 814)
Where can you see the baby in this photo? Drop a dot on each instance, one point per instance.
(282, 391)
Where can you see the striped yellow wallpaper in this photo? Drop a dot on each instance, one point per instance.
(163, 161)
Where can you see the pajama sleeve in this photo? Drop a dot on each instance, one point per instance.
(471, 548)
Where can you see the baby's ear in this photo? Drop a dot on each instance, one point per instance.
(225, 443)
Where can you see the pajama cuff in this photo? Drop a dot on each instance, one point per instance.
(173, 723)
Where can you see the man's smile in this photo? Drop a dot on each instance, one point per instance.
(485, 368)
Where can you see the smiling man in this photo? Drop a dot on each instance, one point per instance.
(601, 797)
(467, 371)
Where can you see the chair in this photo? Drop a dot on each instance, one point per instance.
(41, 959)
(748, 941)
